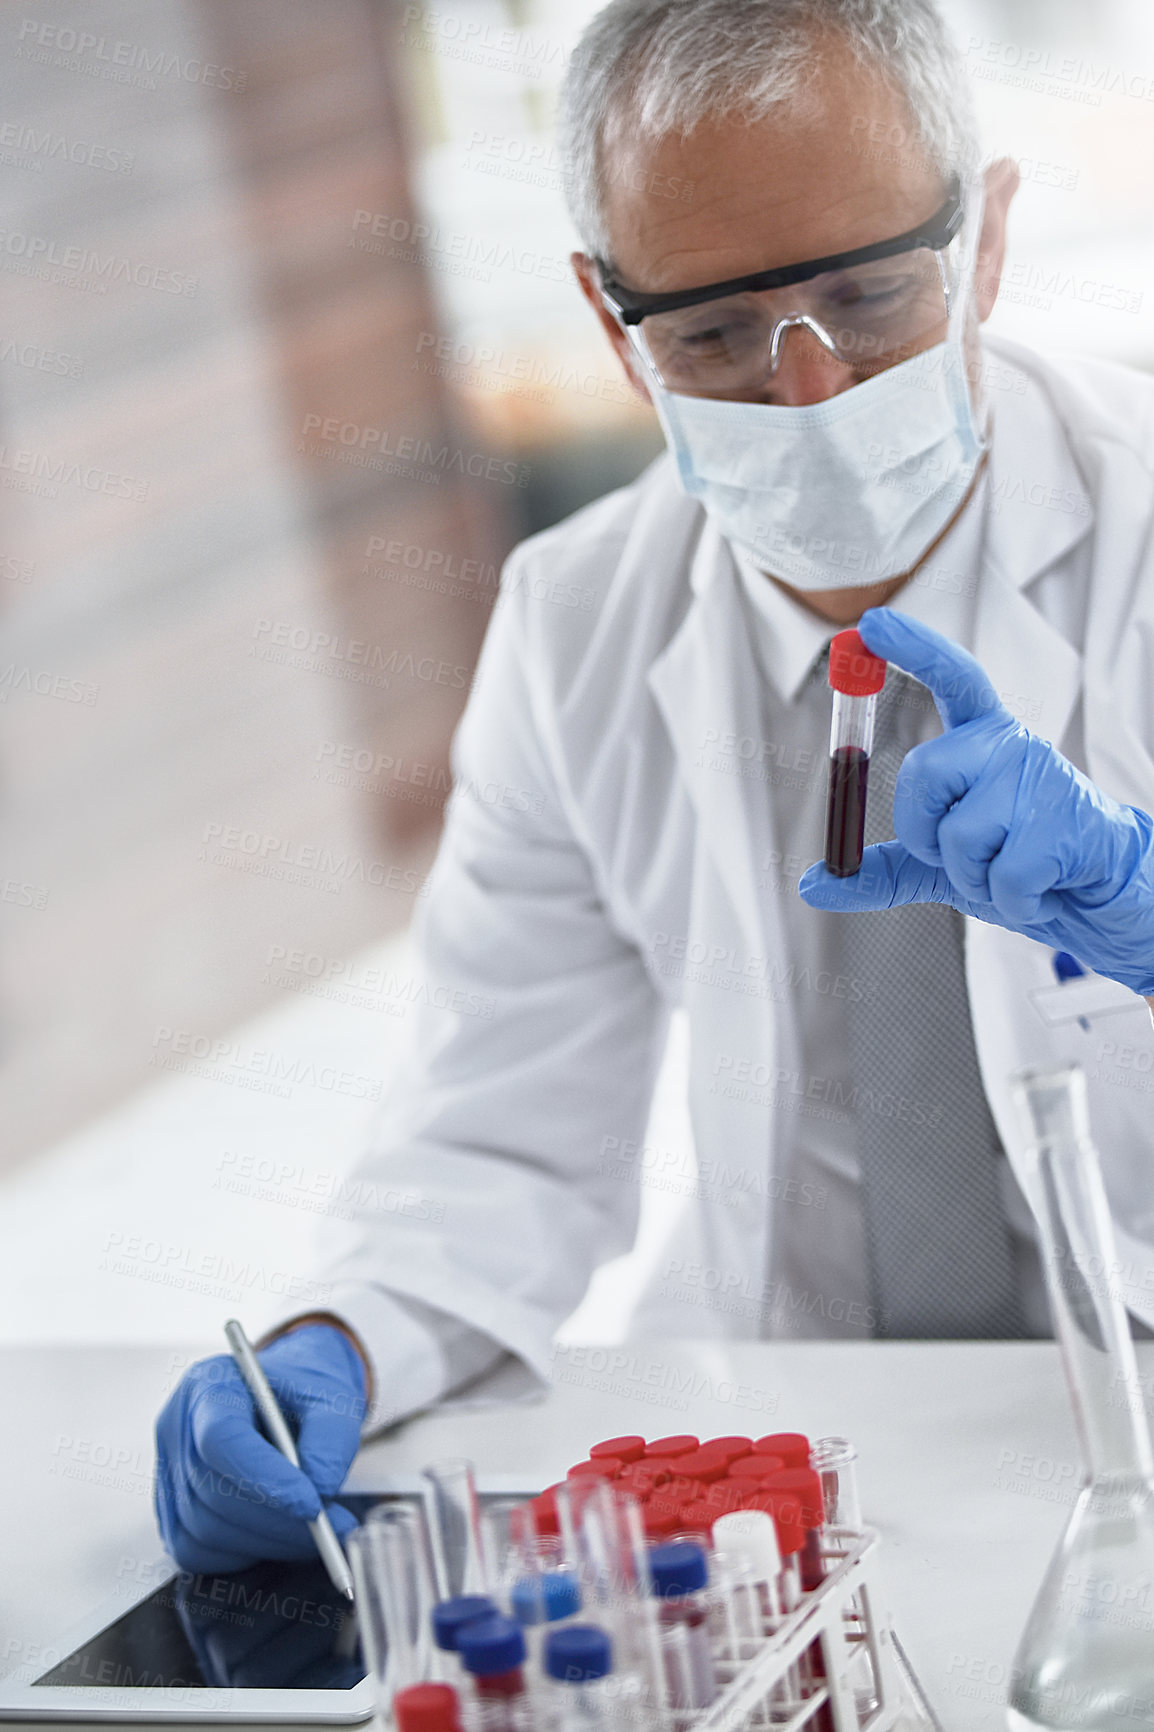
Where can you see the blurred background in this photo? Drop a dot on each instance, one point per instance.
(290, 357)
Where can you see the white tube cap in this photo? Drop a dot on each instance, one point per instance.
(746, 1540)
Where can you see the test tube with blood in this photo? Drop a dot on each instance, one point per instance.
(857, 677)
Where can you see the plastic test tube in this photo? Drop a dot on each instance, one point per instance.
(605, 1542)
(456, 1528)
(492, 1652)
(856, 677)
(392, 1567)
(680, 1575)
(748, 1562)
(579, 1662)
(835, 1459)
(448, 1620)
(786, 1512)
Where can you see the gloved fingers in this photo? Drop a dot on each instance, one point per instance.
(932, 778)
(230, 1445)
(218, 1517)
(955, 799)
(890, 876)
(971, 838)
(164, 1500)
(1023, 876)
(959, 683)
(328, 1439)
(342, 1519)
(182, 1545)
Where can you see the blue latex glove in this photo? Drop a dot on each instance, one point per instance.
(226, 1497)
(996, 822)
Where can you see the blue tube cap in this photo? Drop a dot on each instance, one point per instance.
(677, 1568)
(451, 1616)
(545, 1598)
(578, 1654)
(490, 1645)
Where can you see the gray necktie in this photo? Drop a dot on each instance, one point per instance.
(940, 1259)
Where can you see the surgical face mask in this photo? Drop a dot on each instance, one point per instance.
(847, 492)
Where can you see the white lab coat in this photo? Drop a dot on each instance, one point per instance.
(595, 873)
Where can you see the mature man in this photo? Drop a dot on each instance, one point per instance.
(806, 325)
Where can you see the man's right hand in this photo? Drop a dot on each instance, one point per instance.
(226, 1497)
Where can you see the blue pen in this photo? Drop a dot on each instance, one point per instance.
(1067, 967)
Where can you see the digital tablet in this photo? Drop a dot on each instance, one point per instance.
(274, 1642)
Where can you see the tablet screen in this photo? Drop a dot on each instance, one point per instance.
(275, 1626)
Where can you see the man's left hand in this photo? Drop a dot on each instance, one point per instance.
(996, 822)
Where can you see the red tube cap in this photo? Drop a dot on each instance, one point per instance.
(620, 1448)
(743, 1487)
(662, 1517)
(853, 668)
(730, 1447)
(697, 1517)
(606, 1468)
(756, 1464)
(699, 1464)
(427, 1708)
(785, 1509)
(804, 1484)
(791, 1446)
(730, 1494)
(544, 1509)
(664, 1447)
(643, 1478)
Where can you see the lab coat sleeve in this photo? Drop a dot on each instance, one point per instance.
(535, 1036)
(431, 1354)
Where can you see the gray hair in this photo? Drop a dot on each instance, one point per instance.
(663, 66)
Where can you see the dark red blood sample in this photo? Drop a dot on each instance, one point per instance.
(849, 769)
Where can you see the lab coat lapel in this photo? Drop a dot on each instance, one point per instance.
(1037, 512)
(705, 683)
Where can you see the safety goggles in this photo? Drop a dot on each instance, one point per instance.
(870, 308)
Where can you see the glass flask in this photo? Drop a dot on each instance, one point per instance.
(1086, 1658)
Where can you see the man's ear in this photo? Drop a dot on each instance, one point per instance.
(586, 273)
(1002, 182)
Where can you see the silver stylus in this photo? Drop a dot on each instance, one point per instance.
(259, 1388)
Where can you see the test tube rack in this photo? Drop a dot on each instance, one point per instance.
(845, 1617)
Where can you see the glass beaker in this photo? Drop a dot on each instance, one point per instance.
(1086, 1658)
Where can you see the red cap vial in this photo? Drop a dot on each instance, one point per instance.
(853, 669)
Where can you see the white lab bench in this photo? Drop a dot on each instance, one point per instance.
(967, 1465)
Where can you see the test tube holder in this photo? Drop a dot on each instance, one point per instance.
(846, 1617)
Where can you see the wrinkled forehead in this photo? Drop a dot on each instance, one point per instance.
(839, 166)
